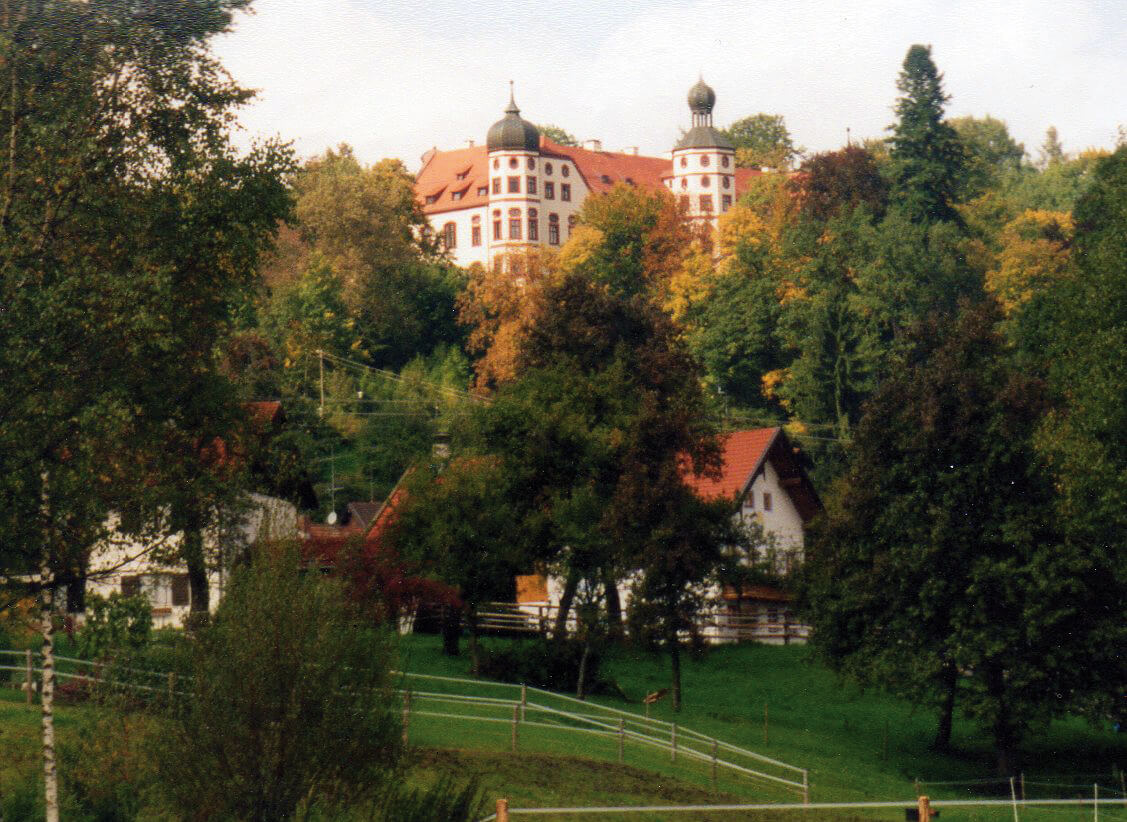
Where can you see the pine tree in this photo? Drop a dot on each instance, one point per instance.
(927, 155)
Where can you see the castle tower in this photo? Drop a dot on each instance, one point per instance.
(513, 220)
(704, 161)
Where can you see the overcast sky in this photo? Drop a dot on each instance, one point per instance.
(395, 78)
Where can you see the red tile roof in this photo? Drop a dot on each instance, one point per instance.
(743, 452)
(600, 170)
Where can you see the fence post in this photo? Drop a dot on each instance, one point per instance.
(924, 809)
(1013, 798)
(1023, 787)
(502, 810)
(805, 787)
(715, 756)
(30, 680)
(673, 743)
(1096, 802)
(621, 740)
(523, 700)
(516, 719)
(406, 716)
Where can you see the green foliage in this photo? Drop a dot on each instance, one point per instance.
(558, 135)
(287, 700)
(993, 157)
(835, 181)
(1058, 187)
(545, 663)
(927, 156)
(763, 141)
(113, 624)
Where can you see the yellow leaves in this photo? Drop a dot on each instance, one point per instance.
(1035, 255)
(738, 226)
(690, 284)
(773, 382)
(580, 248)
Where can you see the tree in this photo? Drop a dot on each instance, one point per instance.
(302, 714)
(947, 503)
(1051, 151)
(833, 181)
(927, 158)
(1034, 256)
(992, 155)
(763, 141)
(558, 135)
(128, 229)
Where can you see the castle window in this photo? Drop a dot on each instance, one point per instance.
(533, 225)
(462, 175)
(705, 180)
(725, 202)
(553, 229)
(704, 160)
(449, 235)
(570, 224)
(497, 224)
(475, 231)
(496, 185)
(513, 162)
(549, 191)
(684, 162)
(684, 182)
(514, 223)
(727, 181)
(564, 170)
(531, 185)
(565, 192)
(531, 164)
(547, 168)
(724, 161)
(766, 501)
(706, 202)
(496, 163)
(514, 185)
(482, 191)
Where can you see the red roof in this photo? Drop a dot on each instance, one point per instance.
(466, 170)
(744, 453)
(264, 413)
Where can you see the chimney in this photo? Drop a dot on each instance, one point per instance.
(593, 145)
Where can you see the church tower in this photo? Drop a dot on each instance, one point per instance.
(704, 161)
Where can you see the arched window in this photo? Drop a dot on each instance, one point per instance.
(553, 229)
(570, 224)
(724, 161)
(497, 224)
(514, 224)
(496, 162)
(705, 180)
(727, 181)
(449, 235)
(564, 170)
(513, 162)
(475, 230)
(684, 182)
(531, 164)
(547, 168)
(533, 225)
(704, 161)
(684, 162)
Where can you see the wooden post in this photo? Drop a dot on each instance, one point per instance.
(1023, 786)
(621, 740)
(502, 810)
(406, 716)
(516, 719)
(805, 787)
(1013, 798)
(924, 808)
(673, 743)
(30, 680)
(715, 757)
(523, 700)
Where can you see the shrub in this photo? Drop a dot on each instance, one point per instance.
(114, 624)
(544, 663)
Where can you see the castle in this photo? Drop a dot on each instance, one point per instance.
(523, 189)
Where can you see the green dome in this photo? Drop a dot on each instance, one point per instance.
(512, 132)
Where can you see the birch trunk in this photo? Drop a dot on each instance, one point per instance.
(47, 693)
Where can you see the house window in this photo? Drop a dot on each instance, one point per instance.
(496, 185)
(727, 181)
(514, 185)
(565, 192)
(131, 586)
(704, 160)
(749, 502)
(513, 162)
(496, 163)
(497, 224)
(766, 501)
(706, 202)
(482, 191)
(684, 182)
(549, 191)
(531, 185)
(514, 223)
(531, 164)
(533, 225)
(547, 168)
(553, 229)
(565, 170)
(684, 162)
(725, 202)
(570, 224)
(705, 180)
(475, 231)
(181, 591)
(449, 235)
(724, 161)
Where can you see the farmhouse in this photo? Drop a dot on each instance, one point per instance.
(522, 189)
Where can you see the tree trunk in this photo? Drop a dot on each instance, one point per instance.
(1005, 734)
(76, 593)
(949, 680)
(614, 609)
(674, 661)
(47, 694)
(580, 691)
(475, 650)
(193, 554)
(451, 630)
(570, 587)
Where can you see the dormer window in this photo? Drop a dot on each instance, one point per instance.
(463, 175)
(431, 198)
(483, 191)
(456, 195)
(606, 179)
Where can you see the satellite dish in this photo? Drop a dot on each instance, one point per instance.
(331, 519)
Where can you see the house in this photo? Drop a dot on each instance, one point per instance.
(522, 189)
(764, 478)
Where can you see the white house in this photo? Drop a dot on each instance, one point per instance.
(522, 189)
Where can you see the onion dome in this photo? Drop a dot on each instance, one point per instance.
(512, 132)
(702, 98)
(702, 135)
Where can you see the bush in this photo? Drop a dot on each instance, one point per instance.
(544, 663)
(288, 701)
(114, 624)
